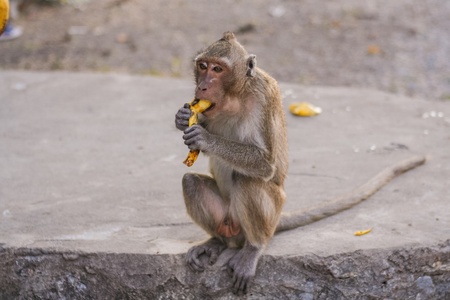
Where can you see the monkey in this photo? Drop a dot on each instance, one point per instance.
(244, 135)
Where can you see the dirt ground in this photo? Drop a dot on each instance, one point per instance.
(400, 46)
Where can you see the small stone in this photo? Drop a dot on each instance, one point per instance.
(19, 86)
(77, 30)
(122, 38)
(278, 12)
(99, 31)
(426, 287)
(437, 264)
(70, 256)
(90, 270)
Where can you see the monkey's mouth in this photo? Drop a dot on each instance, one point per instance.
(210, 108)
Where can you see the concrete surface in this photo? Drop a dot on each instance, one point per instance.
(91, 204)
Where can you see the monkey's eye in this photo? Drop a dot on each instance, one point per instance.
(217, 69)
(202, 66)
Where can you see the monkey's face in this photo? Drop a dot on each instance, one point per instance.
(213, 80)
(221, 73)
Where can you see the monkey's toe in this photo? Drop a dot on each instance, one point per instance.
(192, 258)
(240, 283)
(195, 264)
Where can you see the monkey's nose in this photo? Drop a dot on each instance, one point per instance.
(201, 88)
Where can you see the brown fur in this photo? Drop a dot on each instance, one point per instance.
(244, 135)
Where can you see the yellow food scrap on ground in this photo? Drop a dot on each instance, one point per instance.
(197, 106)
(363, 232)
(304, 109)
(374, 50)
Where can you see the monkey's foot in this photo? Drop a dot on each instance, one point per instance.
(242, 268)
(211, 248)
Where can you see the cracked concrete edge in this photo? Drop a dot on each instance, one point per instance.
(416, 272)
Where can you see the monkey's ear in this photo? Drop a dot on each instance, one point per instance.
(228, 36)
(251, 65)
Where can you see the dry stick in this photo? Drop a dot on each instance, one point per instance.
(291, 220)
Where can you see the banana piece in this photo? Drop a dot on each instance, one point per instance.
(363, 232)
(304, 109)
(197, 106)
(4, 15)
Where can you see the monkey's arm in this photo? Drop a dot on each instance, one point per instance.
(296, 219)
(248, 159)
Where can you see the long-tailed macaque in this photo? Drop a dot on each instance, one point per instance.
(244, 135)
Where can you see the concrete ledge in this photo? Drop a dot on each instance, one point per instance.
(407, 273)
(91, 204)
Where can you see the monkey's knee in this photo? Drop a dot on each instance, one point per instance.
(203, 201)
(194, 186)
(189, 180)
(199, 185)
(191, 185)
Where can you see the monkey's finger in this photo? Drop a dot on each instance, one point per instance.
(191, 129)
(183, 115)
(194, 147)
(241, 289)
(182, 118)
(213, 256)
(237, 280)
(192, 258)
(189, 137)
(195, 263)
(182, 122)
(191, 144)
(230, 271)
(191, 133)
(185, 112)
(244, 285)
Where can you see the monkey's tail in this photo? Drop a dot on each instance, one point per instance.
(291, 220)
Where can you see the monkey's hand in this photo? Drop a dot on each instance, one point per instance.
(197, 138)
(182, 117)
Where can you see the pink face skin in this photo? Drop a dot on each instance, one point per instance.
(212, 77)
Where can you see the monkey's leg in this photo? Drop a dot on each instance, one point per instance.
(257, 205)
(242, 267)
(205, 206)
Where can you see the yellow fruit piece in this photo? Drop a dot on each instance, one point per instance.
(197, 106)
(373, 50)
(304, 109)
(4, 15)
(193, 119)
(363, 232)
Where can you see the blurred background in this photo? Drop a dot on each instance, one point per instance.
(400, 46)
